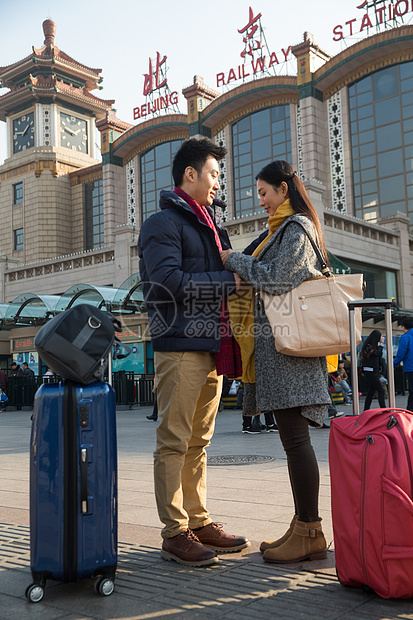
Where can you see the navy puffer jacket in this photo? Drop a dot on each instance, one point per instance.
(184, 278)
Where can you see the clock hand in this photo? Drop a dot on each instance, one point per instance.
(26, 129)
(69, 131)
(76, 132)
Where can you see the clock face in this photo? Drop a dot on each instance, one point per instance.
(23, 132)
(73, 133)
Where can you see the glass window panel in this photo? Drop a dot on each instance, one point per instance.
(244, 148)
(355, 139)
(369, 200)
(392, 189)
(406, 70)
(391, 209)
(353, 128)
(357, 189)
(368, 175)
(387, 111)
(245, 171)
(356, 177)
(386, 83)
(260, 124)
(408, 125)
(246, 193)
(163, 155)
(407, 111)
(389, 163)
(261, 149)
(407, 98)
(358, 203)
(278, 126)
(366, 123)
(279, 112)
(355, 151)
(366, 136)
(363, 85)
(244, 124)
(369, 188)
(408, 137)
(406, 85)
(245, 136)
(408, 165)
(353, 114)
(163, 178)
(365, 111)
(367, 149)
(245, 181)
(389, 137)
(409, 191)
(356, 165)
(367, 162)
(409, 178)
(364, 98)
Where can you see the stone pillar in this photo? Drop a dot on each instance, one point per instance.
(315, 191)
(400, 223)
(198, 95)
(125, 237)
(311, 57)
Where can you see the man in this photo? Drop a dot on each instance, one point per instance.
(27, 372)
(184, 284)
(15, 369)
(405, 355)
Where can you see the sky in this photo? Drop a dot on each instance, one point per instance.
(198, 38)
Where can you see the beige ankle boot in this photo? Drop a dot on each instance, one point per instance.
(306, 542)
(272, 544)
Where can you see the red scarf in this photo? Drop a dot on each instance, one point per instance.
(228, 359)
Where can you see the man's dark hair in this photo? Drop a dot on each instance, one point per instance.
(407, 323)
(13, 364)
(195, 152)
(25, 364)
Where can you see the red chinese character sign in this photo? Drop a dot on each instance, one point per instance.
(258, 61)
(156, 90)
(376, 16)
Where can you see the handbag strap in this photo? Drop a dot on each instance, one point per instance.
(325, 269)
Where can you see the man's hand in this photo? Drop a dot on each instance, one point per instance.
(238, 280)
(224, 255)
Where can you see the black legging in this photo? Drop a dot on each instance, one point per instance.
(374, 386)
(302, 462)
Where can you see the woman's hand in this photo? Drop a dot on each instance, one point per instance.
(224, 255)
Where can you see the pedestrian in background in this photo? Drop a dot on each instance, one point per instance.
(405, 355)
(371, 354)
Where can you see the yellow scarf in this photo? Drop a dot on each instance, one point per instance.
(241, 304)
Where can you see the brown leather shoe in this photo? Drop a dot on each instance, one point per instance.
(186, 549)
(214, 537)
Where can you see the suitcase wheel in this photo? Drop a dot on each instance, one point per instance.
(104, 586)
(35, 593)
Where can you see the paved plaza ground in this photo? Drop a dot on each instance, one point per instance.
(251, 498)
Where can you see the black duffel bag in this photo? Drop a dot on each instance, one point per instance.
(76, 343)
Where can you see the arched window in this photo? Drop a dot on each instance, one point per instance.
(258, 139)
(156, 174)
(381, 127)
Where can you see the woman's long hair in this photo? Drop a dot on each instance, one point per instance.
(278, 171)
(370, 345)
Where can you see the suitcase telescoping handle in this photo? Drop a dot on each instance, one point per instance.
(387, 304)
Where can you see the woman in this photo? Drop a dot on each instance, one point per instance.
(371, 353)
(295, 388)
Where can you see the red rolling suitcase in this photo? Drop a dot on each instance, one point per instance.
(371, 470)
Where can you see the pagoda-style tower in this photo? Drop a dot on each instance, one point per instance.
(50, 115)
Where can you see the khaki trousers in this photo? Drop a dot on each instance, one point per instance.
(188, 391)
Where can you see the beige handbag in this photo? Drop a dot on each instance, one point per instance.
(312, 319)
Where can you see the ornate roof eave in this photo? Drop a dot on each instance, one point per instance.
(62, 61)
(157, 127)
(252, 92)
(58, 91)
(395, 45)
(111, 121)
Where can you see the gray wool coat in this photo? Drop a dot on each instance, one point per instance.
(283, 381)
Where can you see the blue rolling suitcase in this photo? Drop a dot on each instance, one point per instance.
(73, 486)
